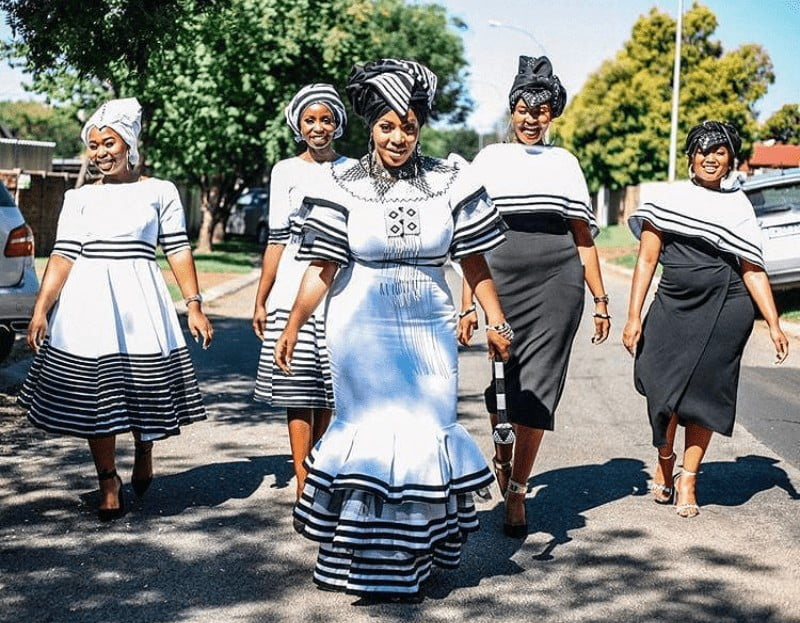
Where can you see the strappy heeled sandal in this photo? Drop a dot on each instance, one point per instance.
(140, 451)
(662, 494)
(516, 530)
(687, 511)
(502, 468)
(109, 514)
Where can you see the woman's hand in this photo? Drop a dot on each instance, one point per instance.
(260, 322)
(781, 344)
(37, 330)
(498, 345)
(284, 349)
(199, 325)
(466, 327)
(631, 334)
(601, 328)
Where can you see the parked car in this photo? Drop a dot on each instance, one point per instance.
(18, 282)
(250, 216)
(776, 199)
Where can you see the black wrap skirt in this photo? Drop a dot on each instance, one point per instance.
(539, 280)
(688, 358)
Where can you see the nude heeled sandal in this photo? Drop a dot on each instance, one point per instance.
(687, 511)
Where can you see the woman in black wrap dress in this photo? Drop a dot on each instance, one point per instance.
(688, 350)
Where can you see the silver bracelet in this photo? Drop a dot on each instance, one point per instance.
(466, 312)
(191, 299)
(504, 329)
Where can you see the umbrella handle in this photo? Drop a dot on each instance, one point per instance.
(503, 432)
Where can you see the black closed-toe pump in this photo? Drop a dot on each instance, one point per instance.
(109, 514)
(142, 450)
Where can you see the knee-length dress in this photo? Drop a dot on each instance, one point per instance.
(310, 386)
(114, 358)
(389, 490)
(538, 272)
(694, 333)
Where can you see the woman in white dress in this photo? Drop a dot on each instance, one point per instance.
(390, 484)
(317, 116)
(540, 272)
(111, 357)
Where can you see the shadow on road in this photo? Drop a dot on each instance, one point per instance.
(728, 483)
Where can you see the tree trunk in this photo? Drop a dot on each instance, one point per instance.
(208, 206)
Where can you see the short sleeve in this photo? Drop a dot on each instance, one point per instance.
(478, 226)
(68, 232)
(324, 233)
(172, 222)
(279, 208)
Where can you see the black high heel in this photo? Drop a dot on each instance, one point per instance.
(109, 514)
(140, 485)
(516, 530)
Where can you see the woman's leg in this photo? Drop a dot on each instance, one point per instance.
(142, 474)
(663, 478)
(322, 417)
(697, 440)
(526, 448)
(104, 450)
(299, 441)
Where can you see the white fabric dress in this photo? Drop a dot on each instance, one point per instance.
(114, 359)
(389, 490)
(310, 386)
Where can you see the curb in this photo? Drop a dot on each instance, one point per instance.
(224, 289)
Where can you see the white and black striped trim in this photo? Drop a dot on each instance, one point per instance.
(310, 385)
(280, 236)
(118, 250)
(682, 224)
(112, 394)
(69, 249)
(547, 204)
(174, 242)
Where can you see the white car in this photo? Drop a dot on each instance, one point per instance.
(776, 199)
(18, 282)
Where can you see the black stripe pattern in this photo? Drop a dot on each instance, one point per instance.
(85, 397)
(120, 249)
(538, 203)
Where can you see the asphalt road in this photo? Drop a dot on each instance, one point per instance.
(212, 541)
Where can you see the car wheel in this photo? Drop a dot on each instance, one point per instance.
(6, 342)
(263, 235)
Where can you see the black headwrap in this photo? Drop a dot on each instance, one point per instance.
(389, 84)
(536, 84)
(709, 134)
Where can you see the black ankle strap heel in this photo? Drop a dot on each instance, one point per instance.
(109, 514)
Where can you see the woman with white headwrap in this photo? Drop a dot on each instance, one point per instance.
(316, 116)
(389, 491)
(110, 357)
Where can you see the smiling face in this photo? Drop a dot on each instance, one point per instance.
(530, 123)
(109, 153)
(709, 168)
(395, 138)
(317, 126)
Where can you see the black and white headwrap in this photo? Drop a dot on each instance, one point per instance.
(319, 93)
(709, 134)
(536, 84)
(390, 84)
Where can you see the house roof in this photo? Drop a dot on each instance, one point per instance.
(775, 156)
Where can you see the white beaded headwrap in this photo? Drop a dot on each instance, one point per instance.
(124, 116)
(319, 93)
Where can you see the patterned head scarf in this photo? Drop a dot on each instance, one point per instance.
(124, 116)
(319, 93)
(389, 84)
(709, 134)
(536, 84)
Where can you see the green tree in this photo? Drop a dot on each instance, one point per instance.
(618, 125)
(39, 122)
(215, 77)
(783, 126)
(441, 142)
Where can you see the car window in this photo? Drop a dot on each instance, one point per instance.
(775, 198)
(6, 200)
(245, 200)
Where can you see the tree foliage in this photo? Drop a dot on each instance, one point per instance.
(783, 126)
(619, 124)
(39, 122)
(215, 76)
(441, 142)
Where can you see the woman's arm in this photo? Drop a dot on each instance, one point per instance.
(182, 265)
(269, 268)
(468, 316)
(646, 262)
(315, 284)
(594, 279)
(479, 280)
(55, 276)
(757, 284)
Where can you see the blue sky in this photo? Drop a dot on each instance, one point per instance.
(578, 35)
